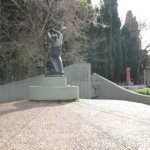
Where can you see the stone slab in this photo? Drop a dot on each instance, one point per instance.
(53, 93)
(54, 81)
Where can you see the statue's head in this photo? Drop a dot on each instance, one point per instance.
(64, 30)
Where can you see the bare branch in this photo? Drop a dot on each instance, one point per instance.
(147, 47)
(15, 2)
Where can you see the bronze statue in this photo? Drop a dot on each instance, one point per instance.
(56, 39)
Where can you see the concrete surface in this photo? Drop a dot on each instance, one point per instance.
(80, 75)
(19, 89)
(53, 88)
(54, 81)
(53, 93)
(84, 125)
(109, 90)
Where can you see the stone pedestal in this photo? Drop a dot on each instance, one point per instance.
(53, 88)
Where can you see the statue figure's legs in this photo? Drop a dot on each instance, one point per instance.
(60, 65)
(57, 65)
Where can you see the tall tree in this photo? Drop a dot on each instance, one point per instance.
(131, 44)
(109, 14)
(24, 25)
(97, 50)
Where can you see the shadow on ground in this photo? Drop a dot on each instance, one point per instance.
(16, 106)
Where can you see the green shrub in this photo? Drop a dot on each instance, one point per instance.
(145, 91)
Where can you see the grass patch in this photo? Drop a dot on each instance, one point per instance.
(145, 91)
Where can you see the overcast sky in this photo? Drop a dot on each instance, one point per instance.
(140, 9)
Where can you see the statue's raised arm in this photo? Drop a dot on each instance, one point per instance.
(51, 35)
(57, 32)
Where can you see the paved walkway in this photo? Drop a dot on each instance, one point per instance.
(84, 125)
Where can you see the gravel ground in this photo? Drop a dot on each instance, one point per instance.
(84, 125)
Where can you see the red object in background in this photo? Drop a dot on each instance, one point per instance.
(128, 75)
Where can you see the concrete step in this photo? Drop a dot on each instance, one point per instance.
(54, 81)
(53, 93)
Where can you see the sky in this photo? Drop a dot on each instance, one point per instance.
(140, 9)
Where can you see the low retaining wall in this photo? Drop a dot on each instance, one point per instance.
(109, 90)
(17, 90)
(77, 74)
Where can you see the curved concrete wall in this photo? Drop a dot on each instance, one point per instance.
(109, 90)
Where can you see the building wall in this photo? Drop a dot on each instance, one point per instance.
(147, 76)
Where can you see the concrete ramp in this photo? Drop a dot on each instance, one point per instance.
(106, 89)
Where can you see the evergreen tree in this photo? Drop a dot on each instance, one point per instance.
(97, 50)
(110, 18)
(125, 43)
(131, 45)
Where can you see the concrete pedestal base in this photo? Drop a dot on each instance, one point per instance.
(53, 88)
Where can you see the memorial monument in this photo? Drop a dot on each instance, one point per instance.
(53, 85)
